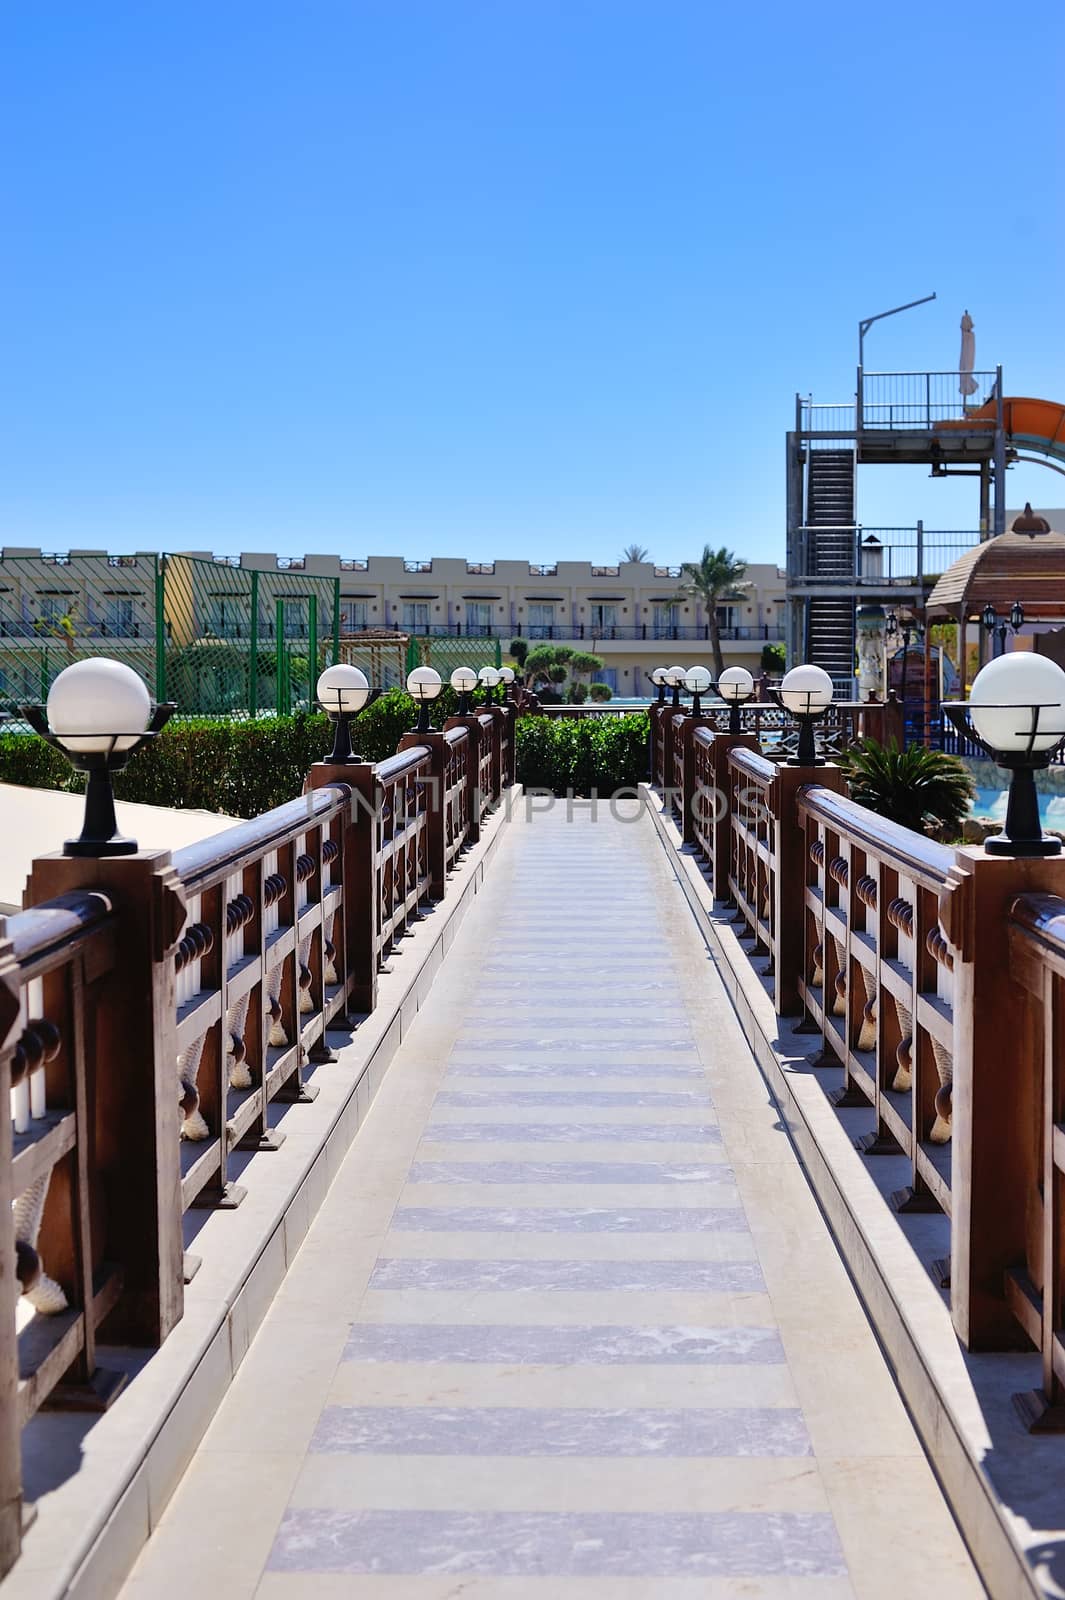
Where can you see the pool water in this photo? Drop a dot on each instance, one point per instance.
(992, 803)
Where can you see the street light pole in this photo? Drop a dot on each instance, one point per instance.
(867, 322)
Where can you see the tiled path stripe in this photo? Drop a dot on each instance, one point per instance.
(569, 1324)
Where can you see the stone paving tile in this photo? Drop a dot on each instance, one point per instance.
(557, 1544)
(568, 1219)
(522, 1431)
(635, 1277)
(581, 1333)
(581, 1346)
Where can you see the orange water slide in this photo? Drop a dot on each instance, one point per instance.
(1030, 424)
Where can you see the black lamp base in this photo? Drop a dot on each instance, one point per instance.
(116, 846)
(1000, 845)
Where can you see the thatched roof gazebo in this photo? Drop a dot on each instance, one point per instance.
(1026, 564)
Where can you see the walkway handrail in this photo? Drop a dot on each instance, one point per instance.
(214, 854)
(401, 763)
(204, 981)
(878, 979)
(1034, 1290)
(919, 967)
(67, 1242)
(264, 912)
(928, 861)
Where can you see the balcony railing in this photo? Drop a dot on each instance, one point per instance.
(571, 631)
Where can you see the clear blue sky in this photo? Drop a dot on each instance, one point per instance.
(527, 277)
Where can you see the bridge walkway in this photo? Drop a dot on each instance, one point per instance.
(570, 1325)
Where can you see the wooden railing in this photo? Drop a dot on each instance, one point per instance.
(1035, 1288)
(877, 979)
(934, 977)
(156, 1011)
(457, 793)
(56, 1164)
(773, 731)
(256, 979)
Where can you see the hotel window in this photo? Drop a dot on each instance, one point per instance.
(354, 615)
(541, 619)
(609, 676)
(416, 616)
(667, 618)
(223, 616)
(604, 618)
(478, 616)
(118, 617)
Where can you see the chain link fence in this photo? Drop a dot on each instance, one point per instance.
(216, 638)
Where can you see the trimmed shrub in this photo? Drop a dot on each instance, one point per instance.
(582, 755)
(240, 767)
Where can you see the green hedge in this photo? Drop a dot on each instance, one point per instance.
(240, 767)
(582, 755)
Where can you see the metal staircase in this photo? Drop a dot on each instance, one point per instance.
(830, 554)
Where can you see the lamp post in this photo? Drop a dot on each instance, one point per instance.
(464, 682)
(99, 713)
(424, 685)
(506, 678)
(675, 677)
(993, 623)
(658, 678)
(1016, 713)
(342, 692)
(904, 627)
(697, 681)
(488, 677)
(735, 686)
(806, 694)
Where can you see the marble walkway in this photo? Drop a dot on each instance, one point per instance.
(569, 1325)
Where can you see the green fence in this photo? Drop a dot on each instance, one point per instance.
(217, 639)
(236, 641)
(445, 653)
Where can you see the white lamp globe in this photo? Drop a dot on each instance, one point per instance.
(675, 676)
(343, 690)
(507, 674)
(806, 690)
(424, 683)
(660, 675)
(735, 683)
(463, 680)
(92, 701)
(697, 680)
(1003, 694)
(488, 677)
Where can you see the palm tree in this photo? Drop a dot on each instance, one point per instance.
(635, 552)
(715, 575)
(921, 789)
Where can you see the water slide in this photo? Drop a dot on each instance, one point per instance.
(1037, 425)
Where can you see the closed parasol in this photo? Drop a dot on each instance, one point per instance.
(967, 384)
